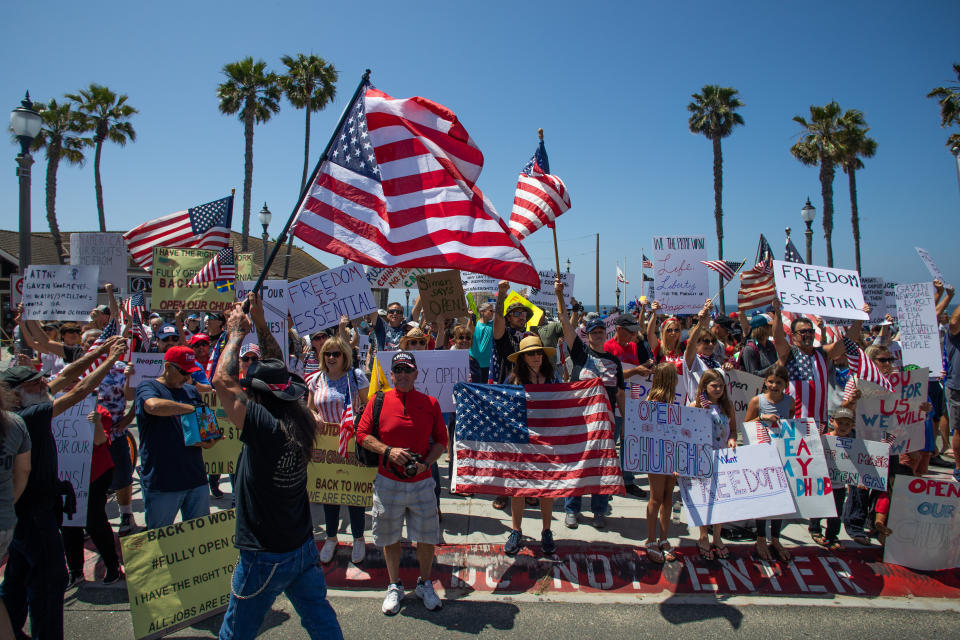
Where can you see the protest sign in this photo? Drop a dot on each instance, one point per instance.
(393, 277)
(105, 250)
(919, 332)
(890, 298)
(742, 387)
(822, 291)
(273, 293)
(180, 573)
(879, 415)
(873, 295)
(610, 325)
(663, 438)
(801, 451)
(748, 482)
(932, 267)
(317, 302)
(546, 295)
(174, 268)
(925, 519)
(59, 292)
(474, 300)
(477, 282)
(74, 436)
(146, 366)
(855, 461)
(681, 280)
(441, 295)
(513, 296)
(222, 457)
(332, 479)
(437, 372)
(638, 388)
(363, 348)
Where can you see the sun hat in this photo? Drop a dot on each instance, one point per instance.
(531, 343)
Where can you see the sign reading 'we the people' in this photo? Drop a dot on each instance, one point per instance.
(680, 278)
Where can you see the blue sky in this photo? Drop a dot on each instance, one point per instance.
(608, 82)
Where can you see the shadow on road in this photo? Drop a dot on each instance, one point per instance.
(679, 612)
(465, 617)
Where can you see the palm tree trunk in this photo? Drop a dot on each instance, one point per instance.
(306, 151)
(53, 163)
(826, 191)
(854, 214)
(718, 209)
(98, 186)
(247, 176)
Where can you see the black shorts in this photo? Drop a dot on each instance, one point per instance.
(122, 463)
(937, 399)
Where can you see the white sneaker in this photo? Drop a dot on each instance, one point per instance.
(359, 551)
(426, 593)
(391, 603)
(327, 550)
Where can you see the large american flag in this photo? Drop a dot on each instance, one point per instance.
(222, 266)
(726, 268)
(540, 197)
(546, 440)
(204, 227)
(398, 188)
(757, 288)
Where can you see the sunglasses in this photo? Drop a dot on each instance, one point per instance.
(673, 331)
(170, 339)
(404, 369)
(332, 354)
(181, 371)
(394, 312)
(884, 360)
(319, 337)
(518, 313)
(249, 358)
(806, 332)
(417, 342)
(708, 341)
(533, 353)
(464, 339)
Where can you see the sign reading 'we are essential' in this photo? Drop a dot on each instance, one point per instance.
(822, 291)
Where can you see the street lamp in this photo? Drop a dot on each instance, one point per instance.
(956, 156)
(808, 213)
(618, 297)
(25, 123)
(265, 216)
(568, 265)
(408, 303)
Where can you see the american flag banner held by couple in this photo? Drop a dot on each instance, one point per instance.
(540, 197)
(397, 187)
(548, 440)
(203, 227)
(222, 266)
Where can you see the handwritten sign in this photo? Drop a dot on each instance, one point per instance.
(222, 458)
(546, 295)
(663, 438)
(437, 372)
(919, 332)
(105, 250)
(610, 325)
(332, 479)
(441, 295)
(638, 387)
(881, 414)
(857, 462)
(59, 292)
(317, 302)
(742, 387)
(932, 267)
(477, 282)
(822, 291)
(146, 366)
(801, 451)
(890, 298)
(749, 483)
(393, 277)
(174, 268)
(873, 294)
(274, 297)
(74, 436)
(925, 519)
(681, 281)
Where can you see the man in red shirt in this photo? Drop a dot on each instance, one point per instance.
(410, 436)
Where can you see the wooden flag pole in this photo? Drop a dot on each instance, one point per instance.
(553, 227)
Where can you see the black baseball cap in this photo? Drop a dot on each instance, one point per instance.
(627, 321)
(16, 376)
(403, 359)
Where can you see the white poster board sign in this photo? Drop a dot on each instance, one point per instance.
(59, 292)
(394, 277)
(273, 293)
(857, 462)
(873, 295)
(638, 388)
(682, 282)
(663, 438)
(478, 282)
(822, 291)
(317, 302)
(919, 333)
(932, 267)
(801, 451)
(880, 414)
(363, 349)
(925, 519)
(742, 387)
(890, 298)
(146, 366)
(546, 295)
(105, 250)
(610, 325)
(749, 482)
(74, 436)
(437, 372)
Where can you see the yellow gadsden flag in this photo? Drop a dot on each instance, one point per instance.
(513, 296)
(378, 380)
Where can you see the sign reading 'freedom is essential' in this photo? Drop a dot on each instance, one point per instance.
(317, 302)
(822, 291)
(681, 281)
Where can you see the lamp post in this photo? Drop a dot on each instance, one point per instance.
(25, 123)
(265, 216)
(568, 265)
(618, 297)
(956, 156)
(808, 213)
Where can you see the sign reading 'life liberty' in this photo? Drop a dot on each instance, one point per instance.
(680, 278)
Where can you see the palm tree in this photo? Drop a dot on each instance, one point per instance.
(820, 144)
(254, 93)
(58, 139)
(855, 145)
(106, 114)
(713, 113)
(949, 98)
(310, 84)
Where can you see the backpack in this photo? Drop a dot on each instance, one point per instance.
(365, 456)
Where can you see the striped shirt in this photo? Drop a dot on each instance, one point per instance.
(330, 396)
(809, 376)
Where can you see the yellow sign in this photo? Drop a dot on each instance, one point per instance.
(335, 480)
(513, 296)
(173, 269)
(222, 457)
(179, 573)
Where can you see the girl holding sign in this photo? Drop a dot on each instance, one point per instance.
(663, 389)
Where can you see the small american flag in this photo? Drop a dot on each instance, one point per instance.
(222, 266)
(890, 438)
(790, 253)
(346, 431)
(726, 268)
(204, 227)
(764, 256)
(134, 306)
(763, 434)
(107, 332)
(863, 367)
(647, 262)
(702, 399)
(547, 440)
(540, 197)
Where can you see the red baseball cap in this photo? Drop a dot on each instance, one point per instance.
(183, 357)
(199, 337)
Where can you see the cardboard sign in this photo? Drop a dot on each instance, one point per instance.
(179, 574)
(873, 294)
(681, 280)
(74, 436)
(174, 268)
(332, 479)
(932, 267)
(925, 519)
(317, 302)
(742, 387)
(59, 292)
(801, 451)
(546, 295)
(822, 291)
(890, 298)
(512, 297)
(441, 295)
(610, 325)
(393, 277)
(437, 372)
(222, 457)
(857, 462)
(146, 366)
(749, 482)
(478, 282)
(105, 250)
(663, 438)
(274, 297)
(879, 415)
(919, 331)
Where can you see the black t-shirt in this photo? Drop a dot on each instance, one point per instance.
(43, 486)
(588, 364)
(273, 510)
(71, 352)
(168, 464)
(505, 345)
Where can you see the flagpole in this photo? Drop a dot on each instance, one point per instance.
(730, 280)
(553, 225)
(306, 187)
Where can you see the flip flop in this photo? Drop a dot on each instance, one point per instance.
(834, 545)
(862, 540)
(654, 553)
(819, 539)
(667, 550)
(705, 552)
(722, 552)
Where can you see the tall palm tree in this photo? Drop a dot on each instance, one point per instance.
(107, 115)
(820, 144)
(855, 144)
(253, 93)
(59, 140)
(713, 114)
(949, 98)
(310, 84)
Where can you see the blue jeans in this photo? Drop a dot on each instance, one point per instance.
(628, 477)
(598, 504)
(260, 577)
(160, 507)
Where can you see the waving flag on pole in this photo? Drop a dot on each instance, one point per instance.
(647, 262)
(134, 306)
(222, 266)
(540, 197)
(203, 227)
(726, 268)
(621, 278)
(790, 253)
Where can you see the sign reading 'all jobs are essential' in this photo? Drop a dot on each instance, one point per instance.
(822, 291)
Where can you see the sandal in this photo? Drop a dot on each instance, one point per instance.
(819, 539)
(862, 540)
(706, 552)
(654, 552)
(500, 502)
(722, 552)
(667, 550)
(782, 553)
(834, 545)
(763, 552)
